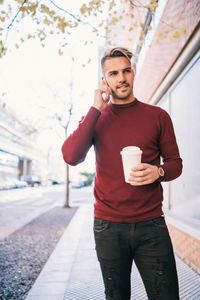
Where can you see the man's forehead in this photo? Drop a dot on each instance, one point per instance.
(116, 64)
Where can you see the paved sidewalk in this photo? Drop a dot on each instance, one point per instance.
(72, 271)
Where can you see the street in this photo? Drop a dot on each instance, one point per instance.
(20, 206)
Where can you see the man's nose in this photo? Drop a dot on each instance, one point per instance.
(121, 77)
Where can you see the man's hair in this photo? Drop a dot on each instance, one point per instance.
(118, 52)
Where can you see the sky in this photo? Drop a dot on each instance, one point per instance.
(35, 80)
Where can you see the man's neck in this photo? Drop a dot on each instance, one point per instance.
(123, 101)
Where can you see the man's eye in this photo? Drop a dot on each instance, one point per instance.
(127, 71)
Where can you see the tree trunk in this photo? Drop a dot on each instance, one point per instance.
(66, 204)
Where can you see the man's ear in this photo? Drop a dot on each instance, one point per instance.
(105, 81)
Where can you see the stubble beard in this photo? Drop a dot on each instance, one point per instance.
(118, 97)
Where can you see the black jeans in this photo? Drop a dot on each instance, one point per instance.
(147, 243)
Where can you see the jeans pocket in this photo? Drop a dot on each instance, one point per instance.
(159, 222)
(100, 225)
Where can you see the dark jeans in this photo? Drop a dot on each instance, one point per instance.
(149, 245)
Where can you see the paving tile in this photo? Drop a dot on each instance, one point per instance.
(47, 297)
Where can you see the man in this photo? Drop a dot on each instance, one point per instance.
(129, 223)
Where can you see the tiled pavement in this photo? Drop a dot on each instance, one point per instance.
(72, 271)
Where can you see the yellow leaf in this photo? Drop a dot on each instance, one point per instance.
(113, 21)
(155, 5)
(83, 9)
(89, 60)
(140, 43)
(172, 38)
(60, 52)
(4, 105)
(142, 33)
(149, 27)
(182, 31)
(112, 4)
(47, 22)
(62, 24)
(161, 35)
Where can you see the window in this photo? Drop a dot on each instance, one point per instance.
(183, 194)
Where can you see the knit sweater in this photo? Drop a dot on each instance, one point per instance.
(134, 124)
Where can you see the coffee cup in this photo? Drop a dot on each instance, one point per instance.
(131, 156)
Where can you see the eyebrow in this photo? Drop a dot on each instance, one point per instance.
(113, 71)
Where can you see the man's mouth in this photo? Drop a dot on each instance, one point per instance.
(123, 86)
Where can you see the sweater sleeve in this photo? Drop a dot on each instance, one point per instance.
(172, 162)
(76, 146)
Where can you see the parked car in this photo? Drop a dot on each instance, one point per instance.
(6, 184)
(77, 184)
(32, 180)
(55, 181)
(20, 183)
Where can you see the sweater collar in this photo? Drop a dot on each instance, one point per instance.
(122, 106)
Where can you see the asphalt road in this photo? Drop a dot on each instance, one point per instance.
(18, 207)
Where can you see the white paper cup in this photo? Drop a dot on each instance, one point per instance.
(131, 156)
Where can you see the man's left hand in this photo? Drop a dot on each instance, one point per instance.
(143, 174)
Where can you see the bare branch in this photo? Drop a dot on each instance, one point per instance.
(11, 23)
(78, 19)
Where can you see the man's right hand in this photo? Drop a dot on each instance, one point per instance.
(102, 96)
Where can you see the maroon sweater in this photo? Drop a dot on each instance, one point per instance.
(137, 124)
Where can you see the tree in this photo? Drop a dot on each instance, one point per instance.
(89, 177)
(64, 118)
(47, 19)
(66, 204)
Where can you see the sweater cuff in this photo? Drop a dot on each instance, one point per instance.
(95, 110)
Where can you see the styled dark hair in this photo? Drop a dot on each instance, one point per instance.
(117, 52)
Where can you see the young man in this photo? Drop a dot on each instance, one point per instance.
(129, 223)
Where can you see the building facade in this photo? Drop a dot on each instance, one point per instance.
(166, 44)
(19, 156)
